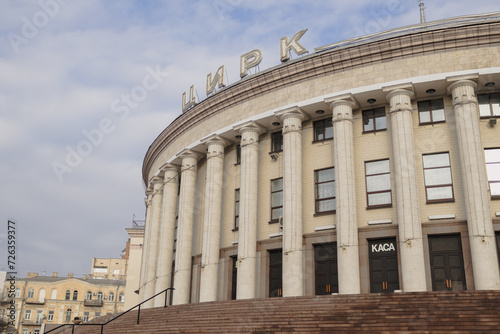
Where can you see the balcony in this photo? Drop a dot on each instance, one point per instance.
(35, 301)
(93, 302)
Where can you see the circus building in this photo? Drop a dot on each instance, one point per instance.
(364, 166)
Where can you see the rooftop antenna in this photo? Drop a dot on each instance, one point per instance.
(422, 12)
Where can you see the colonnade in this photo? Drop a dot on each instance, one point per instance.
(162, 199)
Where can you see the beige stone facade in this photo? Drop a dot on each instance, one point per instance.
(410, 202)
(47, 300)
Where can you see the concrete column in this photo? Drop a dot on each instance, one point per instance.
(153, 240)
(411, 245)
(167, 230)
(346, 216)
(293, 269)
(212, 218)
(477, 204)
(247, 235)
(147, 233)
(183, 256)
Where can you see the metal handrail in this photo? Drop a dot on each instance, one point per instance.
(107, 322)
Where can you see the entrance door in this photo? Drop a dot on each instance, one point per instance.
(447, 266)
(234, 277)
(275, 273)
(384, 275)
(326, 277)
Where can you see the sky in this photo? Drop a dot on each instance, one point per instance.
(86, 86)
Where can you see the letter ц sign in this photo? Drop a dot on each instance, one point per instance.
(383, 247)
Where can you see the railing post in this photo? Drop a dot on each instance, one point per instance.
(72, 329)
(102, 328)
(138, 313)
(166, 294)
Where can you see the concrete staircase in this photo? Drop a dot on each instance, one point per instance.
(422, 312)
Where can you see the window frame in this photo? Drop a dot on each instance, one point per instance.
(100, 295)
(491, 115)
(238, 155)
(431, 111)
(236, 210)
(316, 199)
(68, 295)
(368, 193)
(50, 316)
(324, 127)
(121, 297)
(374, 118)
(111, 297)
(89, 295)
(27, 315)
(75, 295)
(276, 136)
(31, 293)
(494, 197)
(441, 200)
(67, 315)
(86, 316)
(272, 221)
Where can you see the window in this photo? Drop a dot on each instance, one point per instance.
(378, 183)
(116, 272)
(85, 316)
(276, 142)
(236, 209)
(36, 331)
(31, 293)
(238, 154)
(27, 315)
(68, 295)
(17, 293)
(324, 184)
(41, 295)
(53, 294)
(38, 320)
(276, 199)
(25, 331)
(97, 314)
(89, 295)
(68, 315)
(50, 317)
(437, 176)
(99, 295)
(75, 295)
(430, 112)
(323, 129)
(492, 157)
(374, 120)
(489, 104)
(111, 297)
(121, 298)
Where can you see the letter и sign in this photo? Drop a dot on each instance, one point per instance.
(384, 246)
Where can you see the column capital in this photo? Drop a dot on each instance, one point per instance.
(462, 80)
(294, 112)
(215, 139)
(405, 89)
(187, 153)
(250, 126)
(170, 171)
(346, 99)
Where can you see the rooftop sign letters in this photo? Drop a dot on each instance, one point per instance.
(247, 61)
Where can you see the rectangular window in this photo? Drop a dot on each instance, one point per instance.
(36, 331)
(236, 209)
(492, 157)
(27, 315)
(38, 319)
(85, 316)
(276, 142)
(323, 129)
(378, 183)
(374, 120)
(97, 314)
(276, 199)
(25, 331)
(50, 317)
(238, 154)
(489, 105)
(437, 176)
(324, 184)
(430, 112)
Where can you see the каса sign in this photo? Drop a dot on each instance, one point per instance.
(247, 61)
(383, 247)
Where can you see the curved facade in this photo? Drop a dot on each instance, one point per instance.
(372, 165)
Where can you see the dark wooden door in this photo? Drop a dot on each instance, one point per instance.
(275, 273)
(326, 275)
(384, 274)
(447, 266)
(234, 276)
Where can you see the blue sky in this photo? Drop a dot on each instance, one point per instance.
(67, 66)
